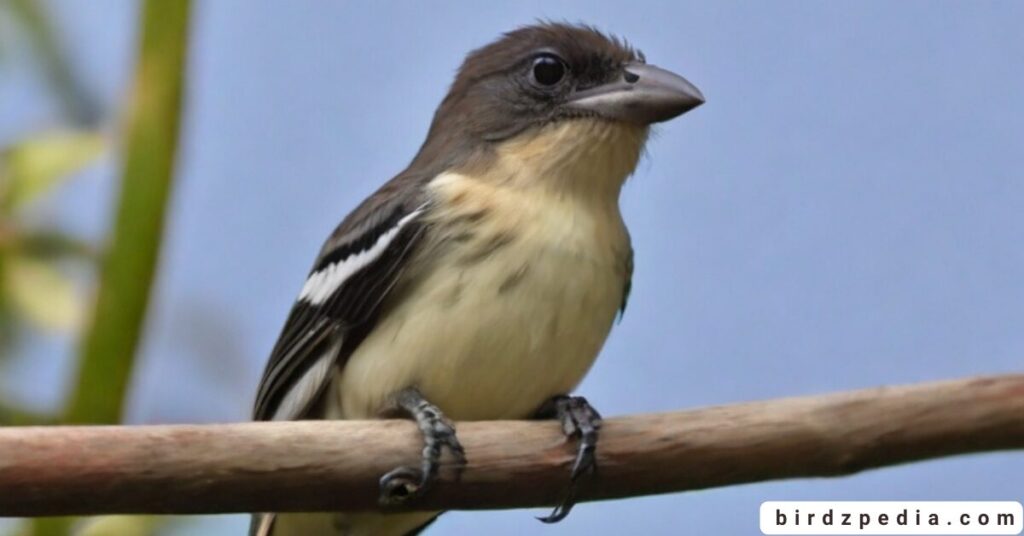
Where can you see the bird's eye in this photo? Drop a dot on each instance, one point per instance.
(548, 69)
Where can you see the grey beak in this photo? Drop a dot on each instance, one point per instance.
(645, 94)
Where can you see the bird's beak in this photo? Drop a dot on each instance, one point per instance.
(644, 94)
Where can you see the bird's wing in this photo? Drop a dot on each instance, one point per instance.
(355, 271)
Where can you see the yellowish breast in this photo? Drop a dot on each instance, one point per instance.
(506, 305)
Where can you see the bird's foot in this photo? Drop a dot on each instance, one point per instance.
(579, 419)
(404, 483)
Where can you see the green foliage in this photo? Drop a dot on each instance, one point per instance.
(33, 167)
(34, 283)
(151, 132)
(31, 19)
(123, 526)
(48, 526)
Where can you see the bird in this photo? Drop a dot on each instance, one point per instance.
(481, 281)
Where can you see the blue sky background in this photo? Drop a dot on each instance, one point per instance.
(847, 210)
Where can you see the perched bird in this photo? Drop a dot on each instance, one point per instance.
(481, 281)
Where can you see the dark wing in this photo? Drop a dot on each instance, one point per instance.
(355, 271)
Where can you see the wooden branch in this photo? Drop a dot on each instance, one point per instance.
(317, 465)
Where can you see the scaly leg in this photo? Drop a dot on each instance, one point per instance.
(578, 418)
(403, 483)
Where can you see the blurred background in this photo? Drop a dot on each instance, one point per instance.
(844, 212)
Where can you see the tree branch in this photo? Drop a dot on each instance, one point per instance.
(318, 465)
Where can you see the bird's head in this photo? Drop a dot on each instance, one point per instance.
(562, 93)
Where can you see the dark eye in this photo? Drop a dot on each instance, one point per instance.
(548, 69)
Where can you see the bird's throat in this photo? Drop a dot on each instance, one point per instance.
(583, 158)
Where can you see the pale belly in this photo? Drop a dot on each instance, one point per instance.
(489, 339)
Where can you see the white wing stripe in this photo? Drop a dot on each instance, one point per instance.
(301, 393)
(322, 284)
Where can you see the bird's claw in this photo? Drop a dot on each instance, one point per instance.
(578, 419)
(398, 485)
(404, 483)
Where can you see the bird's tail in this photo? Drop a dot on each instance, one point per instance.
(341, 524)
(261, 524)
